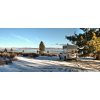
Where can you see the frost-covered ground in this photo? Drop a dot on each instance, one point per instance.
(44, 64)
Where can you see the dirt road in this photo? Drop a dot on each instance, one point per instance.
(45, 64)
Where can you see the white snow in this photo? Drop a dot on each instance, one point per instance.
(87, 58)
(42, 64)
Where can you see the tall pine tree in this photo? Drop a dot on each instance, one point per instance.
(41, 47)
(91, 35)
(94, 43)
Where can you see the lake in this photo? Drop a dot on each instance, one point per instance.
(34, 50)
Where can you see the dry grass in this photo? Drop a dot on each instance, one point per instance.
(9, 56)
(2, 62)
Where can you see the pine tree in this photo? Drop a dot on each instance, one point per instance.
(23, 51)
(11, 50)
(94, 43)
(41, 47)
(91, 35)
(5, 50)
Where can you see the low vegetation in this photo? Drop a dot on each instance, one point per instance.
(6, 57)
(48, 54)
(32, 55)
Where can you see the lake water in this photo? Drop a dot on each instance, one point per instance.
(58, 50)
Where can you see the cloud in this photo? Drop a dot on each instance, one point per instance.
(21, 38)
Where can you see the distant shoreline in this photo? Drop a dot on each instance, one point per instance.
(28, 48)
(33, 50)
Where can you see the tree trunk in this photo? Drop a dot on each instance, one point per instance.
(98, 56)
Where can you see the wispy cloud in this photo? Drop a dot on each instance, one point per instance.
(21, 38)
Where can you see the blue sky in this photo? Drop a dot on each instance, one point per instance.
(31, 37)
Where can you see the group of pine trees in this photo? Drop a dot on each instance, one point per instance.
(5, 50)
(89, 41)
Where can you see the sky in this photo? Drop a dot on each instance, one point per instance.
(31, 37)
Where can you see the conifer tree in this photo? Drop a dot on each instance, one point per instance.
(41, 47)
(91, 35)
(5, 50)
(11, 50)
(94, 43)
